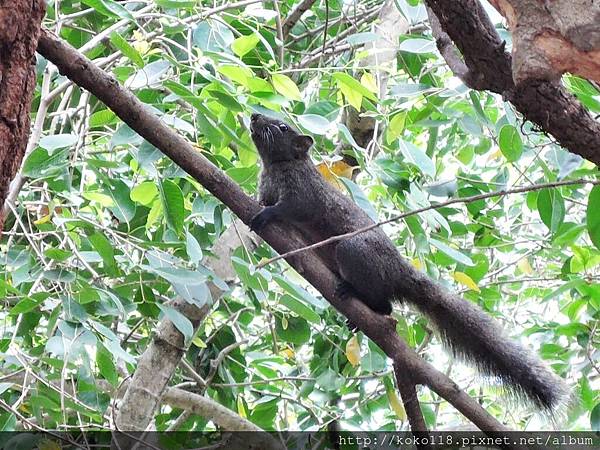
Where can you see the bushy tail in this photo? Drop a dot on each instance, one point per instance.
(472, 335)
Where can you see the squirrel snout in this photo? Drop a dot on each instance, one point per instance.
(255, 121)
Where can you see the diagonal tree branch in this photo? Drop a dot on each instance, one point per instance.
(294, 16)
(547, 104)
(381, 329)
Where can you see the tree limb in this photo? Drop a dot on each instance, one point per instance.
(547, 104)
(295, 15)
(20, 23)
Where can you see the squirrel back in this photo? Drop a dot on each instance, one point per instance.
(371, 268)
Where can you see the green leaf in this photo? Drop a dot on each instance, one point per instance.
(353, 90)
(300, 308)
(293, 329)
(510, 143)
(41, 163)
(295, 291)
(144, 193)
(212, 36)
(452, 253)
(101, 118)
(313, 123)
(286, 86)
(104, 248)
(564, 288)
(330, 381)
(109, 8)
(593, 216)
(418, 157)
(106, 365)
(362, 38)
(58, 254)
(595, 418)
(551, 208)
(28, 304)
(395, 127)
(59, 275)
(56, 141)
(121, 44)
(149, 75)
(173, 205)
(124, 207)
(181, 322)
(176, 4)
(418, 45)
(245, 44)
(193, 248)
(360, 198)
(178, 275)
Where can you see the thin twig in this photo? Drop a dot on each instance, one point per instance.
(326, 26)
(473, 198)
(281, 47)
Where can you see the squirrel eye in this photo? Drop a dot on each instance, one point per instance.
(283, 127)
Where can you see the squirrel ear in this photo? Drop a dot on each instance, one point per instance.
(303, 143)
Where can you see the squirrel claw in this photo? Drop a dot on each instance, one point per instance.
(351, 326)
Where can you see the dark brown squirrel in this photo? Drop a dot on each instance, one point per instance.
(371, 269)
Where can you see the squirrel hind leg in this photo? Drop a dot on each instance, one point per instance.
(362, 276)
(344, 289)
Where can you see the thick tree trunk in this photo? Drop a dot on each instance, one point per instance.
(20, 22)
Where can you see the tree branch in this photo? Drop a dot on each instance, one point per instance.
(450, 53)
(380, 329)
(410, 400)
(295, 15)
(550, 106)
(19, 30)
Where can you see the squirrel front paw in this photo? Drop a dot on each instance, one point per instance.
(343, 290)
(258, 222)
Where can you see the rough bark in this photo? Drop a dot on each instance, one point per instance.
(547, 104)
(553, 37)
(381, 329)
(20, 22)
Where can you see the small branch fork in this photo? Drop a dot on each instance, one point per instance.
(473, 198)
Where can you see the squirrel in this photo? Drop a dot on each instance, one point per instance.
(371, 269)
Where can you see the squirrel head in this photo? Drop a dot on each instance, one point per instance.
(277, 141)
